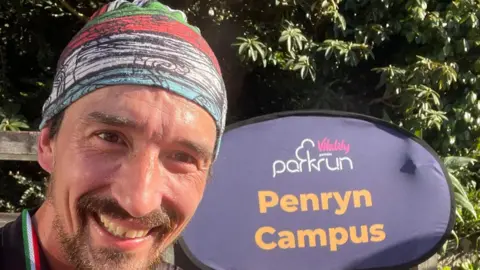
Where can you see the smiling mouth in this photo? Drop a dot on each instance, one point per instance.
(119, 231)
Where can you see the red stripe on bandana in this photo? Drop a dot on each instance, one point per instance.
(141, 23)
(100, 11)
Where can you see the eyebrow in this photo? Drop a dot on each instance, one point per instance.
(112, 120)
(120, 121)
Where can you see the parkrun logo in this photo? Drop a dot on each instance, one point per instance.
(320, 159)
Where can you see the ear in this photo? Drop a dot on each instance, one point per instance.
(45, 150)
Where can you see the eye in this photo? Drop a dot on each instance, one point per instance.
(183, 157)
(110, 137)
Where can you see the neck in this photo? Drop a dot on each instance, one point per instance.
(48, 238)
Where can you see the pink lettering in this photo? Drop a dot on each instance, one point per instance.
(326, 145)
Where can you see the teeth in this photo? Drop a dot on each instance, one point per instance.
(131, 234)
(120, 231)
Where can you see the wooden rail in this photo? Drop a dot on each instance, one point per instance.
(21, 146)
(17, 146)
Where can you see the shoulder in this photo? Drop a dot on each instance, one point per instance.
(11, 245)
(9, 233)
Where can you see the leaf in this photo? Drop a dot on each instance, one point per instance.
(353, 58)
(283, 38)
(297, 66)
(325, 4)
(252, 54)
(303, 72)
(410, 36)
(440, 84)
(342, 22)
(371, 54)
(466, 46)
(473, 20)
(457, 185)
(447, 49)
(298, 40)
(19, 125)
(424, 5)
(436, 100)
(459, 216)
(312, 73)
(259, 49)
(472, 97)
(242, 47)
(386, 117)
(382, 81)
(328, 53)
(418, 133)
(465, 203)
(452, 162)
(457, 241)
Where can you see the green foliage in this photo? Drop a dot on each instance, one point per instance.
(469, 263)
(467, 197)
(31, 40)
(31, 192)
(415, 63)
(11, 120)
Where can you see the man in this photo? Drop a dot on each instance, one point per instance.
(129, 134)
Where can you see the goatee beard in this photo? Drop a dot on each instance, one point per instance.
(79, 252)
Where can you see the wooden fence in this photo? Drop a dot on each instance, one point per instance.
(21, 146)
(17, 146)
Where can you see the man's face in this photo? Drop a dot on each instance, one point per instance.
(129, 167)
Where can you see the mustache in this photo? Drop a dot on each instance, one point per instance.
(163, 217)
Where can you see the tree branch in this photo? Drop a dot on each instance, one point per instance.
(73, 11)
(381, 99)
(386, 100)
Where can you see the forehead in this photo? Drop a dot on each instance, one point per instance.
(154, 109)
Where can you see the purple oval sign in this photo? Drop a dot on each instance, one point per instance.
(321, 190)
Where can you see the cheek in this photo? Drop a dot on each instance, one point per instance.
(186, 195)
(85, 171)
(75, 174)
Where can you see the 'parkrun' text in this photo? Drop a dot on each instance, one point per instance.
(311, 156)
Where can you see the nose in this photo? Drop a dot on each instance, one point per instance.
(139, 183)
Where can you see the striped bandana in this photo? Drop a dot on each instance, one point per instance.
(139, 43)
